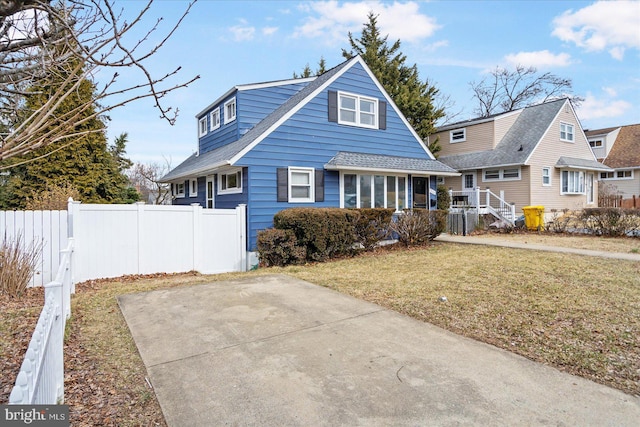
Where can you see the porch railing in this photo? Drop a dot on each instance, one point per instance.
(484, 202)
(41, 376)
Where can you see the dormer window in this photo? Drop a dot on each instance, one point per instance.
(357, 110)
(214, 119)
(202, 126)
(230, 110)
(566, 132)
(458, 135)
(597, 143)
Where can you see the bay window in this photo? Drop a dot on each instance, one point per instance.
(572, 182)
(373, 191)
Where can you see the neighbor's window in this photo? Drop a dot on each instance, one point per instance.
(546, 176)
(507, 174)
(373, 191)
(357, 110)
(230, 110)
(214, 119)
(607, 175)
(202, 126)
(178, 189)
(566, 132)
(624, 174)
(458, 135)
(193, 188)
(301, 184)
(596, 143)
(572, 182)
(230, 182)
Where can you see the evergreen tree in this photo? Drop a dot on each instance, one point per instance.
(84, 161)
(306, 71)
(414, 98)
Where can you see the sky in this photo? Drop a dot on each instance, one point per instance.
(453, 43)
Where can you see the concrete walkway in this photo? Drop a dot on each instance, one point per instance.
(496, 241)
(278, 351)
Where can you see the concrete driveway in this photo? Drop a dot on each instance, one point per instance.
(278, 351)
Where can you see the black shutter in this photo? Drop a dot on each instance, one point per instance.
(333, 106)
(283, 184)
(382, 115)
(319, 185)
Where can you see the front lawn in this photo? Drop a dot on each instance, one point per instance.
(579, 314)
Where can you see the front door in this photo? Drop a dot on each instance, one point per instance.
(468, 181)
(420, 192)
(589, 188)
(210, 193)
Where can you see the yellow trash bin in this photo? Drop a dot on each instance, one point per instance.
(534, 217)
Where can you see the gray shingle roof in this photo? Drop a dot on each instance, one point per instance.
(349, 160)
(221, 156)
(572, 162)
(518, 143)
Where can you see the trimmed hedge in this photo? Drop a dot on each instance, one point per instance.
(324, 232)
(318, 234)
(279, 248)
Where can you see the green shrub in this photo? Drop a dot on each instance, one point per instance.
(443, 197)
(279, 248)
(324, 232)
(372, 226)
(418, 227)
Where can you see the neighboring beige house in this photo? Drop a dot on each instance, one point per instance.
(618, 148)
(538, 155)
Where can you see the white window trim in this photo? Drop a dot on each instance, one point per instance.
(214, 124)
(311, 173)
(193, 183)
(233, 190)
(373, 174)
(179, 194)
(592, 143)
(615, 175)
(547, 168)
(227, 118)
(501, 175)
(580, 174)
(358, 98)
(573, 132)
(202, 126)
(464, 135)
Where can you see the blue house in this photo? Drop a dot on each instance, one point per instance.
(336, 140)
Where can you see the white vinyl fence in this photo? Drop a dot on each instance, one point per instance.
(41, 376)
(109, 241)
(48, 227)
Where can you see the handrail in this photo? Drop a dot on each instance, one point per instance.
(491, 202)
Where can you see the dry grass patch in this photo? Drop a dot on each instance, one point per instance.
(579, 314)
(594, 243)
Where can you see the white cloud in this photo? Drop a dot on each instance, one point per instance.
(539, 59)
(611, 25)
(242, 32)
(332, 21)
(610, 91)
(267, 31)
(607, 107)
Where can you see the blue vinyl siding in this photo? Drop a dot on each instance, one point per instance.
(308, 139)
(186, 200)
(230, 201)
(252, 106)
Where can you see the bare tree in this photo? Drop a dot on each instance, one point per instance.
(145, 178)
(68, 42)
(504, 90)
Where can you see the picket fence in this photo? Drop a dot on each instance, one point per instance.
(104, 241)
